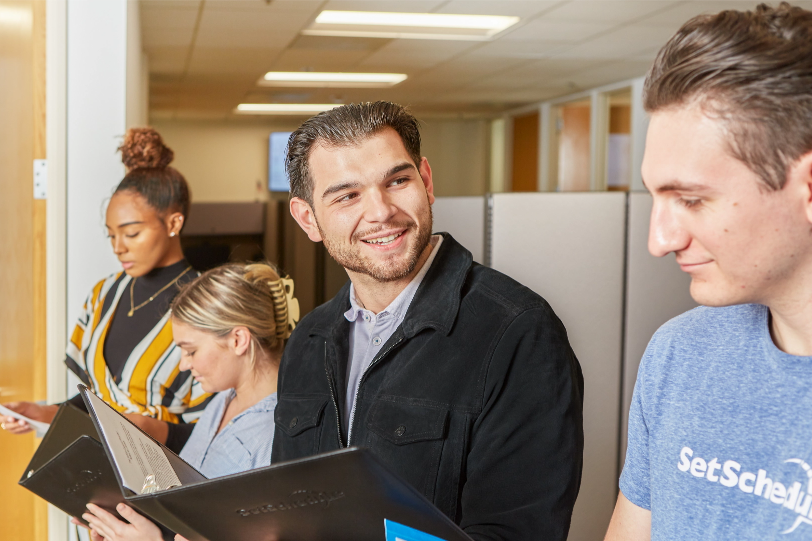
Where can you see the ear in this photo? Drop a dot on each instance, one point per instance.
(303, 213)
(425, 174)
(803, 170)
(174, 223)
(239, 339)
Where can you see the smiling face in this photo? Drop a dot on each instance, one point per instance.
(371, 206)
(213, 363)
(740, 242)
(141, 238)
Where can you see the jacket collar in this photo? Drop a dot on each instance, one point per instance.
(435, 305)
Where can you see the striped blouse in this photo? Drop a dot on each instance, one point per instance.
(151, 382)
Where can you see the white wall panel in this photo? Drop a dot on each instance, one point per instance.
(656, 291)
(569, 248)
(464, 218)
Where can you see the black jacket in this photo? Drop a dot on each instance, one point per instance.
(476, 399)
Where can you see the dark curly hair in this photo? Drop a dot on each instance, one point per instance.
(147, 160)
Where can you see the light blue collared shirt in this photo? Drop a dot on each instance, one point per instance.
(370, 331)
(243, 444)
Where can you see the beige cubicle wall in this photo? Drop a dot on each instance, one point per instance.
(464, 218)
(569, 248)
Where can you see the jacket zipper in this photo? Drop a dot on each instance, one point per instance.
(361, 382)
(333, 396)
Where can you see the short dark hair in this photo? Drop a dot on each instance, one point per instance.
(753, 71)
(147, 160)
(347, 125)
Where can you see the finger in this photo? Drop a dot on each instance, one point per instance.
(105, 517)
(96, 525)
(179, 537)
(94, 535)
(132, 517)
(103, 522)
(78, 522)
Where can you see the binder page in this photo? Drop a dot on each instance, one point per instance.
(135, 455)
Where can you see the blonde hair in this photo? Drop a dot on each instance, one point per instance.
(238, 294)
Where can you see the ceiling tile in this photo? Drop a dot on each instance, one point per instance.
(631, 40)
(516, 8)
(167, 24)
(604, 11)
(548, 30)
(251, 62)
(167, 60)
(274, 6)
(252, 29)
(410, 6)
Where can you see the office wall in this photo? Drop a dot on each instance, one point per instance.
(227, 160)
(106, 84)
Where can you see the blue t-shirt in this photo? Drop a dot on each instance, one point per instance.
(243, 444)
(720, 431)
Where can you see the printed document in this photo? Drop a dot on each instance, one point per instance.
(135, 455)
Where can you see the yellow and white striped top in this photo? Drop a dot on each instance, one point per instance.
(151, 382)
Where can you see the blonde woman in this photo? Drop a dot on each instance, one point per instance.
(231, 324)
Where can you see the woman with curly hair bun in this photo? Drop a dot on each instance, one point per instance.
(122, 347)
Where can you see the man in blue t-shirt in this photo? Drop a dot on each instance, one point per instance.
(720, 428)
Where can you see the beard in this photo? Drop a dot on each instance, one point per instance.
(387, 269)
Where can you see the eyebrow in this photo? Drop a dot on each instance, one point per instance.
(678, 186)
(182, 343)
(125, 224)
(353, 185)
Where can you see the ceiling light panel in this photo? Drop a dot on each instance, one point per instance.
(331, 79)
(374, 24)
(284, 108)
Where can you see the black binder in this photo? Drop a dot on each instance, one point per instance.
(339, 496)
(70, 467)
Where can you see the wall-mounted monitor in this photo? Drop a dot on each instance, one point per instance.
(277, 146)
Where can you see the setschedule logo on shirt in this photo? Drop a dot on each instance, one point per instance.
(792, 495)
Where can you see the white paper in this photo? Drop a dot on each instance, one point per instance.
(134, 455)
(40, 427)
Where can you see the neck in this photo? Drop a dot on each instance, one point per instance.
(374, 295)
(173, 255)
(256, 384)
(791, 329)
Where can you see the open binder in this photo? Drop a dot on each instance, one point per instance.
(340, 496)
(70, 468)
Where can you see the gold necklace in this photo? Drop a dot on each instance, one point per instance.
(132, 285)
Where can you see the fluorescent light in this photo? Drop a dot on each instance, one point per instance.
(409, 25)
(330, 80)
(284, 108)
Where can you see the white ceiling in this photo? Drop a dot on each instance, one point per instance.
(205, 56)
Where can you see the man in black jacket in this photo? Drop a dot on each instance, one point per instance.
(457, 377)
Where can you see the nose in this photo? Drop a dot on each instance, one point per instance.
(666, 234)
(118, 244)
(379, 207)
(185, 363)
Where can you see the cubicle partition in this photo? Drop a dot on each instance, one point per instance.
(568, 248)
(464, 218)
(586, 253)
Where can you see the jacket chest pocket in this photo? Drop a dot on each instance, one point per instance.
(297, 420)
(410, 439)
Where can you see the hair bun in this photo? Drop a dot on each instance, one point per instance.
(143, 148)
